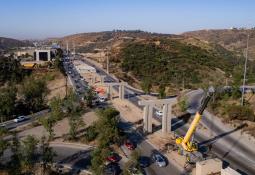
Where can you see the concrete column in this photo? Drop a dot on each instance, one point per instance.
(145, 117)
(49, 56)
(37, 56)
(150, 119)
(166, 119)
(121, 91)
(109, 93)
(169, 118)
(102, 79)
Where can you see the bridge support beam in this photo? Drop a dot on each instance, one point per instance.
(148, 112)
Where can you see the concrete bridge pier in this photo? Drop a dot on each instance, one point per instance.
(147, 117)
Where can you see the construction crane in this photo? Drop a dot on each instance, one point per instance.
(185, 144)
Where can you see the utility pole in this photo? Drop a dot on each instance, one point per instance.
(245, 68)
(74, 48)
(107, 62)
(67, 48)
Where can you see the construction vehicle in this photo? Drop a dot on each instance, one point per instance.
(186, 145)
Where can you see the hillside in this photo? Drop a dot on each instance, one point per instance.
(157, 60)
(232, 39)
(8, 43)
(175, 63)
(87, 42)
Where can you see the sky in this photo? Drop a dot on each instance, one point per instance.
(39, 19)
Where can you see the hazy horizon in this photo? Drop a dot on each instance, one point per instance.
(30, 19)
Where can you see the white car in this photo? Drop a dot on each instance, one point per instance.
(102, 99)
(19, 119)
(2, 126)
(159, 113)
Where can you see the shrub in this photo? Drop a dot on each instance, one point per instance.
(240, 112)
(91, 133)
(183, 104)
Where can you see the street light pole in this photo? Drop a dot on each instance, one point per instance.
(245, 69)
(107, 62)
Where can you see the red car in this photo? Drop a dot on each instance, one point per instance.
(113, 157)
(129, 145)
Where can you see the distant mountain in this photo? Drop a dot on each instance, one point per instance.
(8, 43)
(232, 39)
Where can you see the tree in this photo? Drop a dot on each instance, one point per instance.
(183, 104)
(34, 91)
(89, 97)
(146, 85)
(3, 143)
(56, 108)
(48, 124)
(29, 152)
(97, 162)
(133, 162)
(11, 70)
(162, 93)
(74, 111)
(47, 154)
(107, 126)
(7, 102)
(3, 146)
(16, 158)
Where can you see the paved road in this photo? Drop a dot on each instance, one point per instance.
(144, 146)
(146, 149)
(232, 149)
(238, 155)
(30, 118)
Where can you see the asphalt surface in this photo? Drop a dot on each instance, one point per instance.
(230, 149)
(30, 118)
(233, 153)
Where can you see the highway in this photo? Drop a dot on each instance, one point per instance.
(29, 119)
(233, 153)
(145, 147)
(229, 147)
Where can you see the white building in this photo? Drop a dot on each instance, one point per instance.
(42, 55)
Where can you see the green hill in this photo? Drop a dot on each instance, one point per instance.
(176, 63)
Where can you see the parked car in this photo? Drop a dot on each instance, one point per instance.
(113, 157)
(144, 161)
(112, 169)
(19, 119)
(158, 158)
(159, 113)
(130, 145)
(2, 125)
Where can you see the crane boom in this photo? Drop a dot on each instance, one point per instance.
(185, 142)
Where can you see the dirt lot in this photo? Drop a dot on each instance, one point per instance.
(61, 128)
(57, 86)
